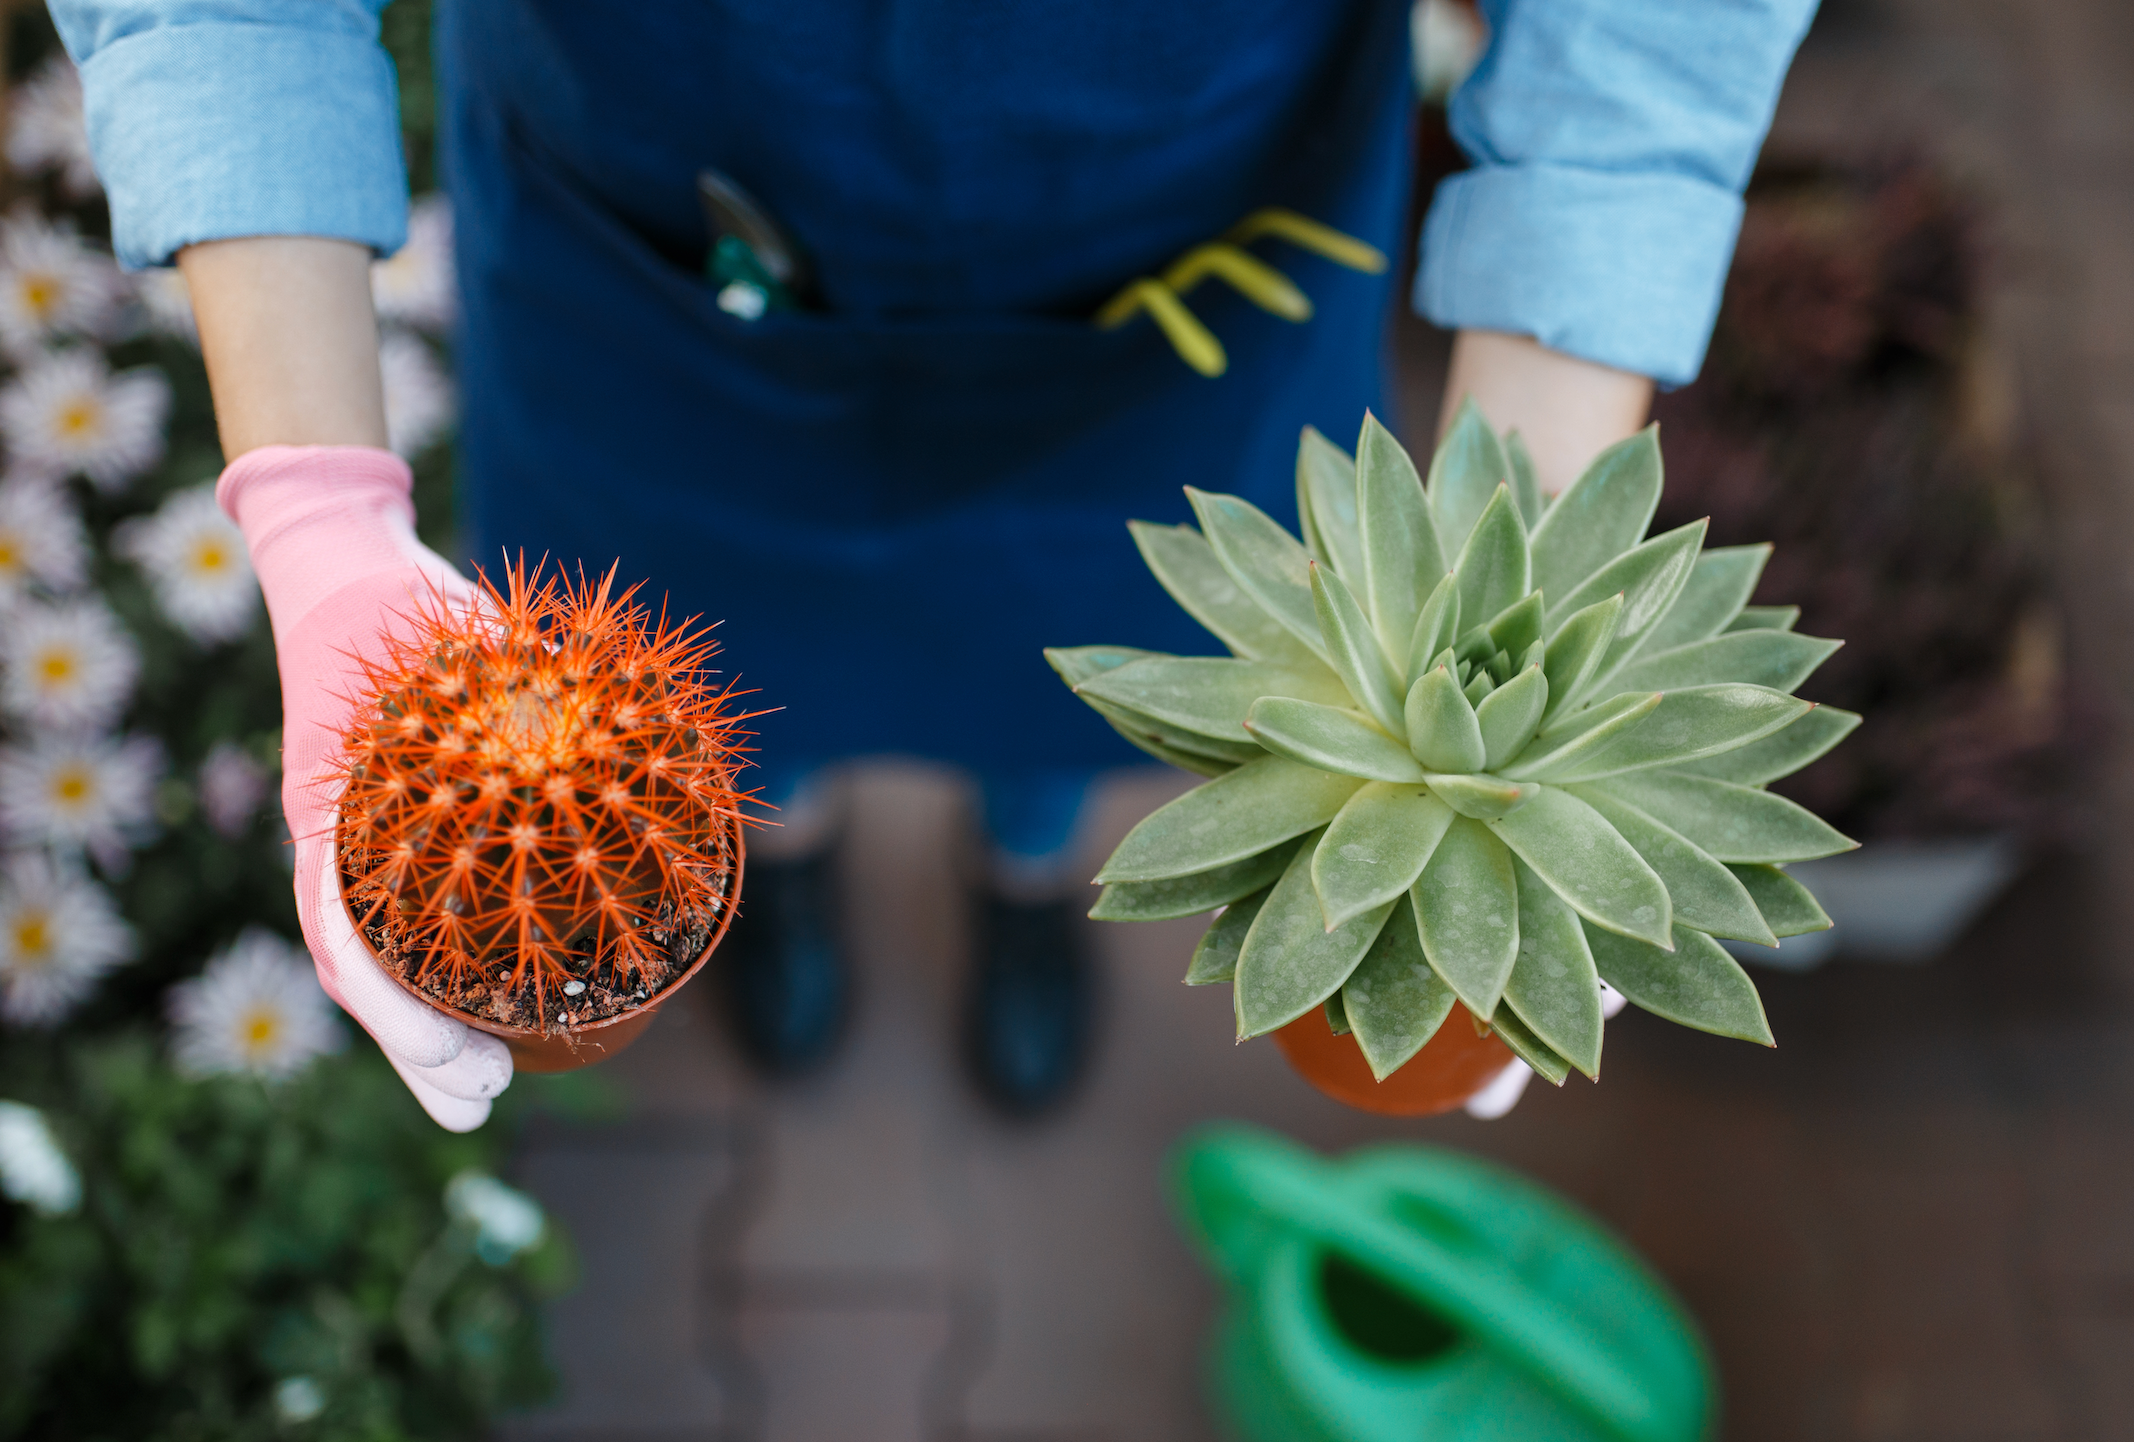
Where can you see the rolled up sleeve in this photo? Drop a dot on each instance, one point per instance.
(1611, 141)
(211, 119)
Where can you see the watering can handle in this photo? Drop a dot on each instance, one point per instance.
(1284, 1183)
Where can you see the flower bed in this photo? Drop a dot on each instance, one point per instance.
(221, 1214)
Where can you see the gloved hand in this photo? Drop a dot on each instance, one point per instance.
(332, 535)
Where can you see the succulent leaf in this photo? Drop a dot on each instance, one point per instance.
(1147, 732)
(1719, 585)
(1193, 894)
(1261, 804)
(1215, 958)
(1648, 577)
(1353, 649)
(1467, 913)
(1509, 716)
(1442, 730)
(1375, 847)
(1330, 738)
(1076, 664)
(1493, 566)
(1553, 987)
(1733, 823)
(1685, 726)
(1574, 654)
(1326, 503)
(1786, 905)
(1518, 626)
(1589, 864)
(1478, 687)
(1337, 1015)
(1485, 798)
(1599, 516)
(1526, 486)
(1401, 557)
(1529, 1048)
(1436, 627)
(1290, 962)
(1565, 745)
(1782, 753)
(1696, 984)
(1265, 561)
(1464, 474)
(1142, 737)
(1206, 695)
(1184, 564)
(1395, 1002)
(1766, 618)
(1706, 894)
(1780, 660)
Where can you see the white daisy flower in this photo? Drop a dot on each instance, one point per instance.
(168, 302)
(68, 665)
(258, 1008)
(416, 285)
(68, 413)
(33, 1170)
(232, 786)
(41, 540)
(59, 932)
(195, 559)
(505, 1220)
(70, 790)
(51, 284)
(419, 404)
(46, 129)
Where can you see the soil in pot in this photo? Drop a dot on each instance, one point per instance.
(596, 990)
(1452, 1066)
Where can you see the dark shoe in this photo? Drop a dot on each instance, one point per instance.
(1032, 1003)
(786, 983)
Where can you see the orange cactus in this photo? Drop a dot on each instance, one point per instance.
(542, 789)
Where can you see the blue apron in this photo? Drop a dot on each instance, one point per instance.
(893, 503)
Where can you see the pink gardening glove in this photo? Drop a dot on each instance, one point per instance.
(332, 535)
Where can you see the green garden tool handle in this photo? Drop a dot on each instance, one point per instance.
(1295, 1188)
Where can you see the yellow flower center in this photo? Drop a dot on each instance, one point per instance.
(10, 553)
(40, 294)
(79, 417)
(71, 785)
(56, 668)
(210, 557)
(33, 939)
(259, 1030)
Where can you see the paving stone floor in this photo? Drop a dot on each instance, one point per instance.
(1913, 1222)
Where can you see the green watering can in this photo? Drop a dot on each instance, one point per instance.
(1409, 1294)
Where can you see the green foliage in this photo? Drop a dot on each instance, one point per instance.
(233, 1236)
(1524, 745)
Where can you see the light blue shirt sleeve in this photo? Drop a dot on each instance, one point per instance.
(218, 118)
(1611, 140)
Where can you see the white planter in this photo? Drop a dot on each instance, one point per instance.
(1893, 901)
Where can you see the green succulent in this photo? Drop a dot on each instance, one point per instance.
(1469, 745)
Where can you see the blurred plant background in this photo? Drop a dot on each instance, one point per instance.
(221, 1215)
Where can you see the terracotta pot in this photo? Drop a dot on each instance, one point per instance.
(534, 1050)
(1451, 1067)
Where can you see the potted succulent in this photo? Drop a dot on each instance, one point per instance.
(1472, 755)
(539, 833)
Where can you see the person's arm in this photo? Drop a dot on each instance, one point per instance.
(1582, 255)
(1567, 410)
(290, 340)
(258, 143)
